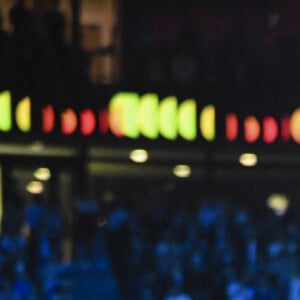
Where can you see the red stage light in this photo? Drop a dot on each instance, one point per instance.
(48, 118)
(270, 130)
(251, 129)
(232, 127)
(87, 122)
(68, 121)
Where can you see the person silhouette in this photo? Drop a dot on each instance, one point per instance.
(25, 44)
(4, 55)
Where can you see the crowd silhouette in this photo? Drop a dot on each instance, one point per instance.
(204, 248)
(35, 53)
(237, 49)
(177, 246)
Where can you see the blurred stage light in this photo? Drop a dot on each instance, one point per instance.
(42, 174)
(182, 171)
(248, 159)
(37, 146)
(139, 155)
(279, 203)
(35, 187)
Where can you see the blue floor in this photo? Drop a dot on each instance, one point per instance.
(93, 281)
(86, 279)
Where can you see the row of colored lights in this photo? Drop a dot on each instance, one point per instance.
(131, 115)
